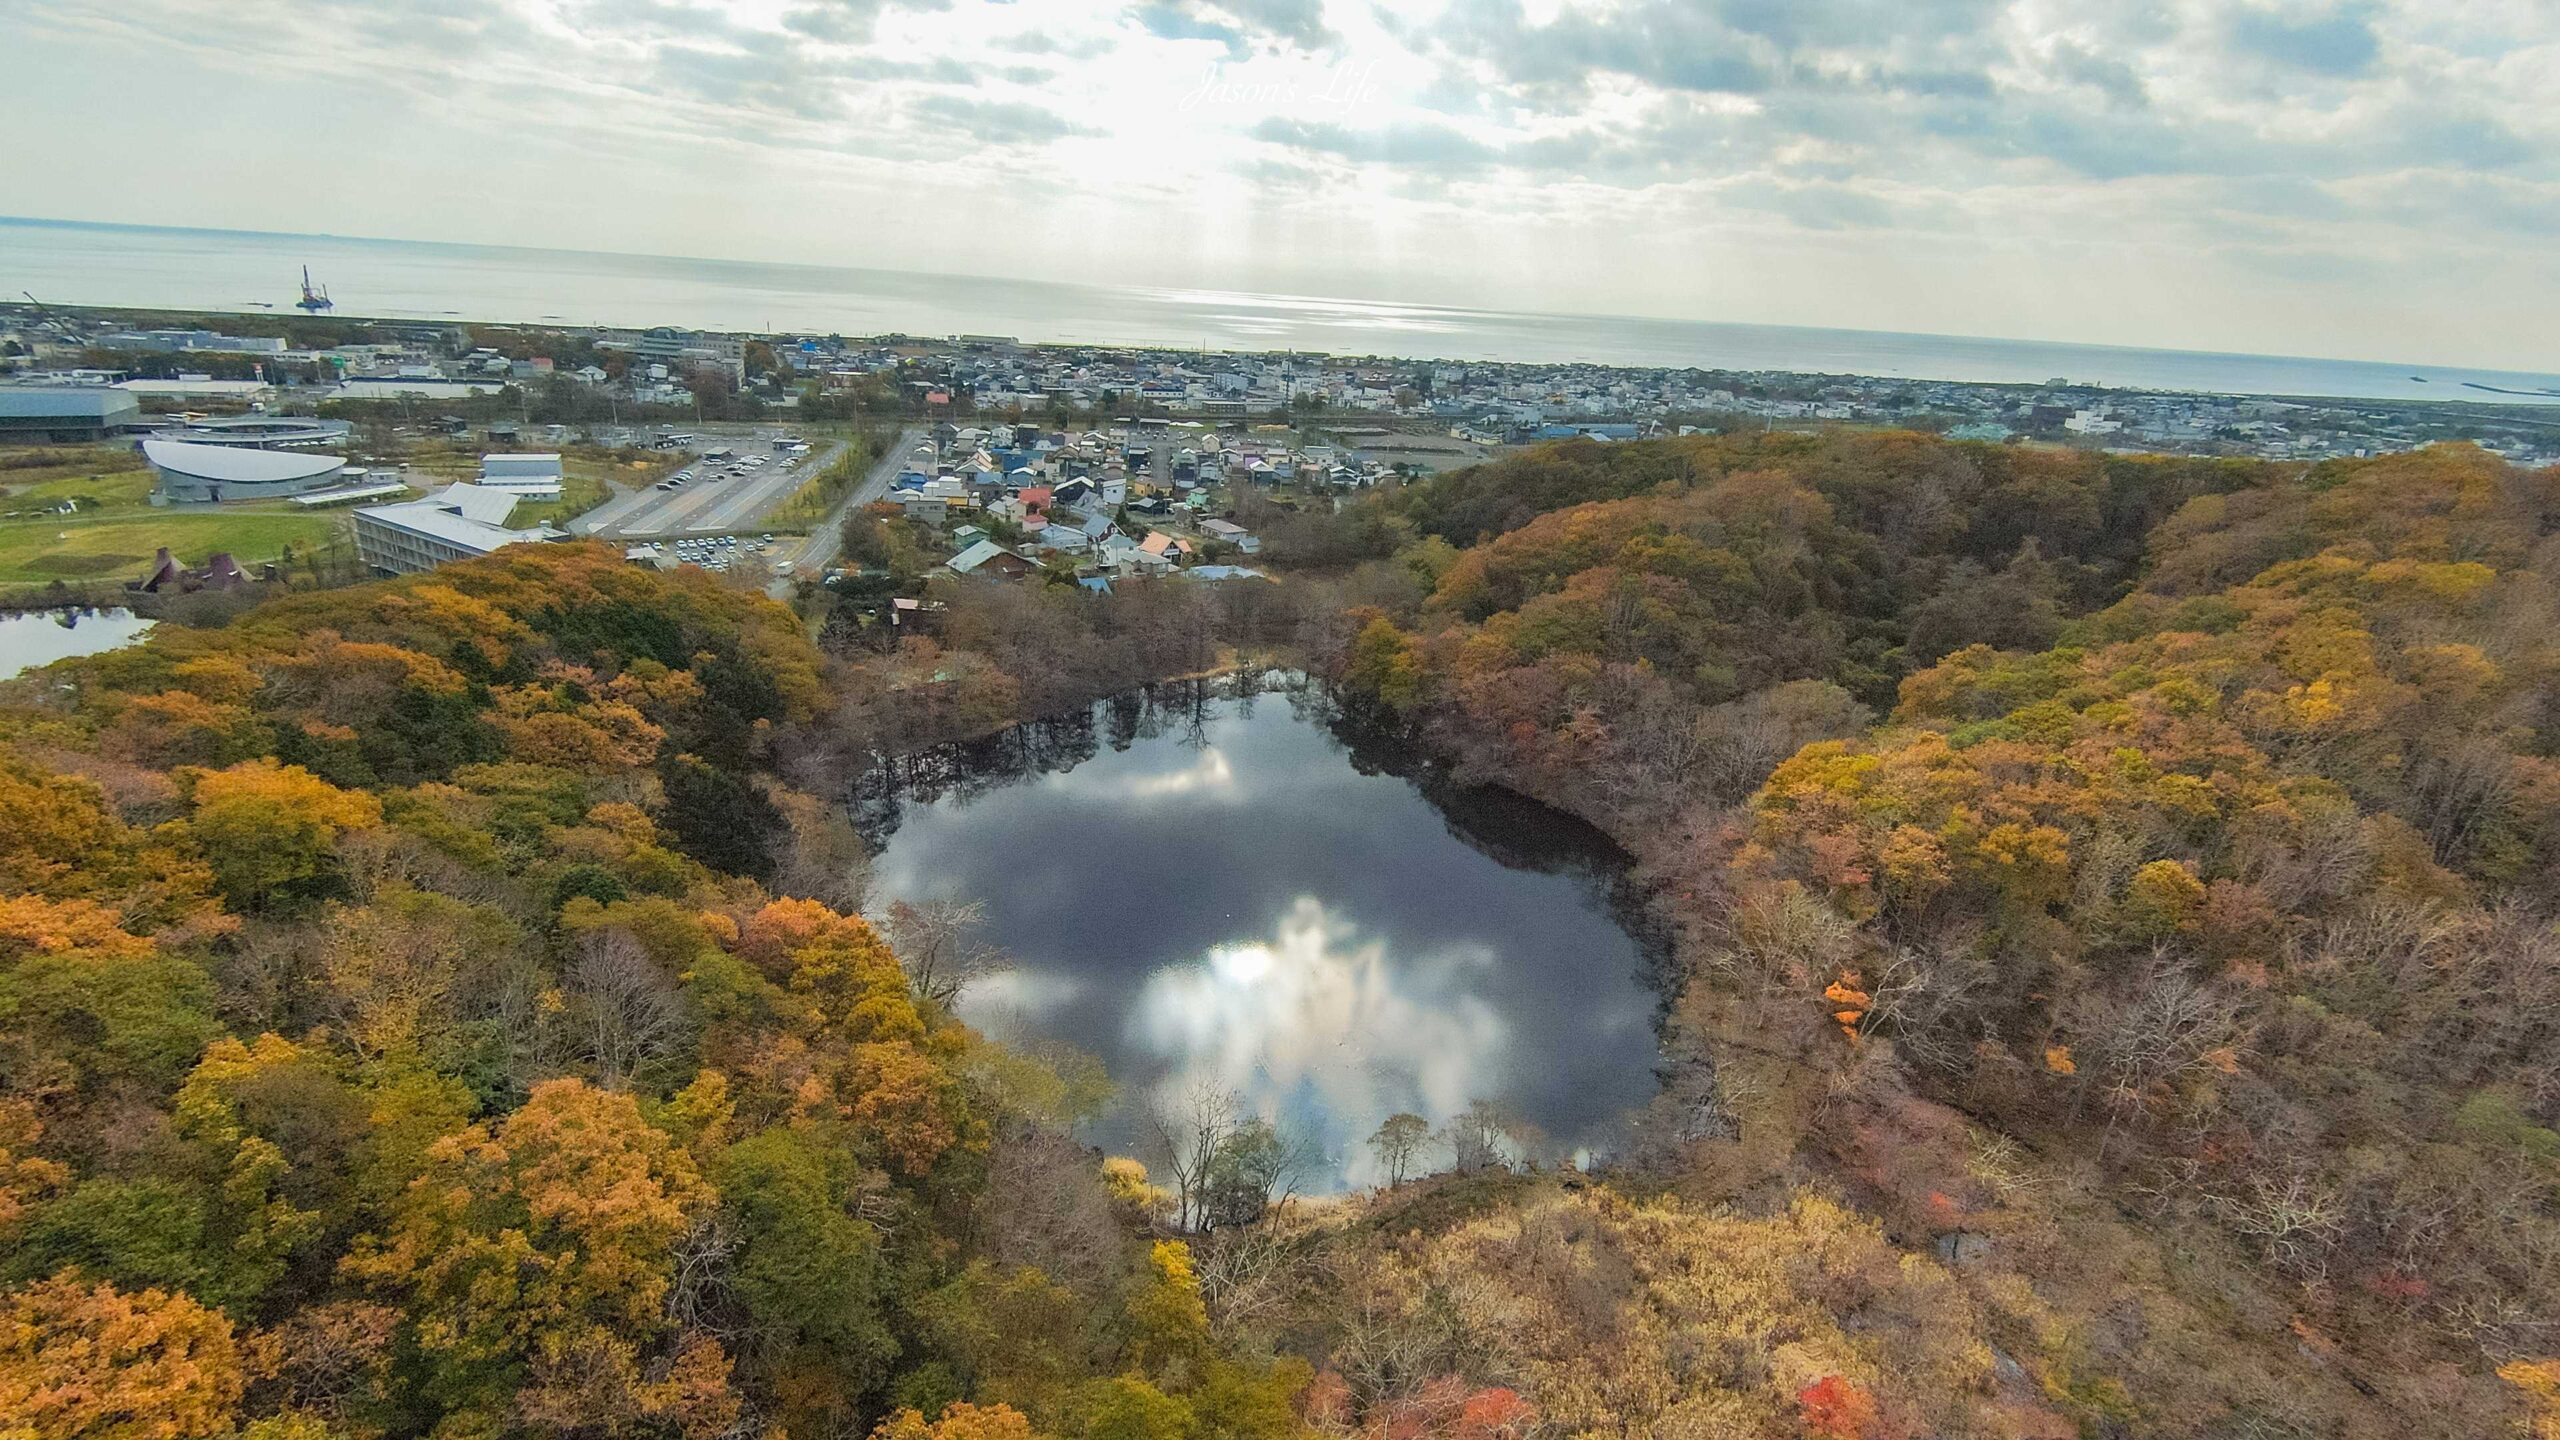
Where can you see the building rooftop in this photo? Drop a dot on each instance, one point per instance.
(461, 513)
(976, 555)
(47, 402)
(234, 465)
(258, 430)
(345, 494)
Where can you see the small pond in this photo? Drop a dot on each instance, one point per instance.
(1201, 883)
(40, 637)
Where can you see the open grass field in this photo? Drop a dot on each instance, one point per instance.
(119, 544)
(108, 476)
(114, 531)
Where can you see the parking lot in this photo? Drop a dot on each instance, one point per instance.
(747, 554)
(727, 490)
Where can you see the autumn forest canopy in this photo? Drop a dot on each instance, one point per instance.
(2117, 987)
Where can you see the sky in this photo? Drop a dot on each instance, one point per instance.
(2357, 178)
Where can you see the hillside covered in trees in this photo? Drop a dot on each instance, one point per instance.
(421, 1014)
(2114, 900)
(2132, 879)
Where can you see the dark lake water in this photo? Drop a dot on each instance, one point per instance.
(40, 637)
(1200, 885)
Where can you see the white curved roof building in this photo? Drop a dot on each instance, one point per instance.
(191, 472)
(262, 432)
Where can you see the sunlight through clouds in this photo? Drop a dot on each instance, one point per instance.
(2280, 176)
(1321, 1027)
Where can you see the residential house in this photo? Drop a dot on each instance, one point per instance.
(1123, 556)
(1172, 549)
(989, 558)
(1234, 534)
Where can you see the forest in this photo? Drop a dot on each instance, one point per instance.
(2117, 987)
(2129, 880)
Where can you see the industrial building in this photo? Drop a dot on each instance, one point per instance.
(682, 351)
(460, 522)
(530, 476)
(192, 473)
(66, 413)
(192, 340)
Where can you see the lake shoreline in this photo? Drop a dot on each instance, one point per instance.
(1148, 855)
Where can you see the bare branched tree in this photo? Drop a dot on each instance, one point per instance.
(1046, 1207)
(632, 1012)
(2174, 1026)
(2291, 1216)
(1188, 1130)
(942, 946)
(1256, 1170)
(1246, 1273)
(1930, 999)
(1475, 1137)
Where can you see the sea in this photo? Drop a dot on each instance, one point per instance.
(80, 263)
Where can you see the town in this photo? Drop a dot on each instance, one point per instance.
(368, 447)
(614, 376)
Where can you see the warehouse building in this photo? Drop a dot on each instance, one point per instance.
(192, 473)
(66, 413)
(531, 476)
(460, 522)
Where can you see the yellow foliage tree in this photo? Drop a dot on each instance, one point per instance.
(268, 829)
(536, 1256)
(960, 1421)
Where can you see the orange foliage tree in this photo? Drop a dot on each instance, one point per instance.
(535, 1255)
(91, 1362)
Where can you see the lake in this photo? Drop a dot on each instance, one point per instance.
(71, 262)
(1201, 884)
(40, 637)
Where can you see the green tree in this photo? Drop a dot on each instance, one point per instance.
(269, 831)
(808, 1273)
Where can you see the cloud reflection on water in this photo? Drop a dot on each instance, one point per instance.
(1326, 1031)
(1207, 887)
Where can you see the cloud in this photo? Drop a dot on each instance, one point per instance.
(1663, 42)
(848, 22)
(2338, 43)
(1421, 145)
(745, 82)
(996, 122)
(1242, 26)
(1522, 147)
(1325, 1031)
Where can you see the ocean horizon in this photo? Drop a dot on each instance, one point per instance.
(89, 263)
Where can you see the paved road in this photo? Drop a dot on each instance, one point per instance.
(602, 519)
(819, 550)
(709, 505)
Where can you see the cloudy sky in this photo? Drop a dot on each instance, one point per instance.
(2334, 177)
